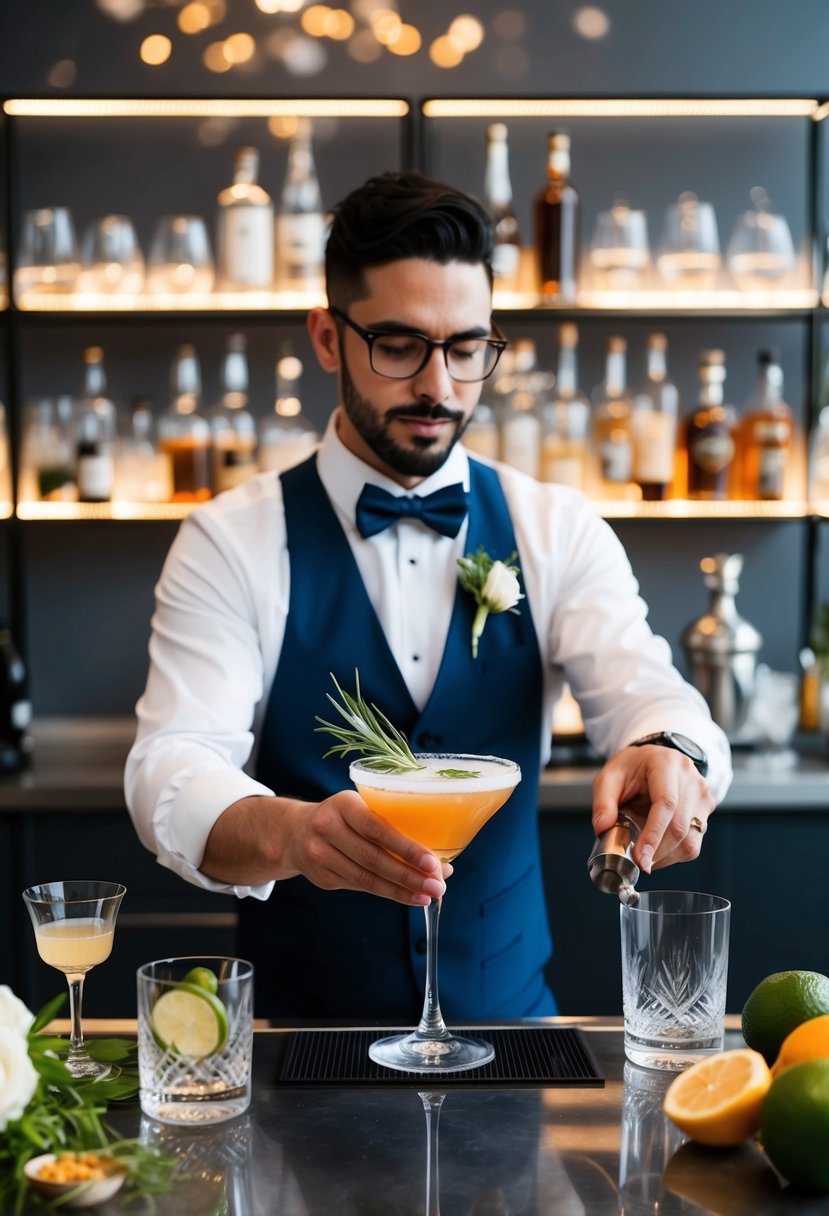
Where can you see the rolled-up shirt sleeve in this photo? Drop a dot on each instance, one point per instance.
(220, 606)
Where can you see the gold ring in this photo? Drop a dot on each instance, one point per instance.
(698, 824)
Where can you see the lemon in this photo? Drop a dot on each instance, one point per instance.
(794, 1128)
(718, 1100)
(808, 1041)
(190, 1020)
(779, 1004)
(204, 977)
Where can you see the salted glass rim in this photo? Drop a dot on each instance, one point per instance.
(507, 775)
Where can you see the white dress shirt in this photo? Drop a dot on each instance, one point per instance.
(221, 606)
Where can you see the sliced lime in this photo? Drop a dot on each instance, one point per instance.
(203, 977)
(190, 1020)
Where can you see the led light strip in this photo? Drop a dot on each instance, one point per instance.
(644, 107)
(216, 107)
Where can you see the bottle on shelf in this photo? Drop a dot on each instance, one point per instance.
(520, 423)
(142, 473)
(819, 445)
(611, 430)
(565, 418)
(300, 222)
(6, 498)
(709, 440)
(506, 252)
(765, 436)
(234, 428)
(184, 435)
(15, 707)
(95, 432)
(286, 437)
(556, 212)
(655, 420)
(47, 465)
(245, 221)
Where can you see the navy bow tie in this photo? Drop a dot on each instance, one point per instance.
(444, 510)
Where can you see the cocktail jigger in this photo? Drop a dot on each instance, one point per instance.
(611, 865)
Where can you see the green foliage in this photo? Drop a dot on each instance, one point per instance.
(368, 733)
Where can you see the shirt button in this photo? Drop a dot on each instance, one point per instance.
(415, 658)
(420, 946)
(412, 561)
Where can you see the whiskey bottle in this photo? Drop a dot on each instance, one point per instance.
(300, 224)
(506, 253)
(95, 432)
(520, 427)
(245, 228)
(655, 417)
(710, 433)
(565, 418)
(557, 225)
(184, 435)
(765, 435)
(611, 437)
(234, 428)
(286, 437)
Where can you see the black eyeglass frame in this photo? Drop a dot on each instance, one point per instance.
(499, 344)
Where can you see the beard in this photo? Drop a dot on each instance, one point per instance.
(424, 456)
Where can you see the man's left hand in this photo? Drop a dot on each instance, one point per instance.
(663, 791)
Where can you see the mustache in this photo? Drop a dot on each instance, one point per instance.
(426, 413)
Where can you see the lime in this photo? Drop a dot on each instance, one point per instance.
(794, 1128)
(203, 977)
(779, 1004)
(717, 1100)
(189, 1020)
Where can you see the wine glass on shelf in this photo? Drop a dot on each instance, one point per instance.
(443, 803)
(74, 923)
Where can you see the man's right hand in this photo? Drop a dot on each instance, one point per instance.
(337, 844)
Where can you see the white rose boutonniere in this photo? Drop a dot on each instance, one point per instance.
(493, 585)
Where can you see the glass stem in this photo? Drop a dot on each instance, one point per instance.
(432, 1025)
(431, 1106)
(77, 1047)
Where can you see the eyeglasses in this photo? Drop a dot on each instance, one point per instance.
(398, 354)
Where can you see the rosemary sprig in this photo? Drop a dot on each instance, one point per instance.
(369, 733)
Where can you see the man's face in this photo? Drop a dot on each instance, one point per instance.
(406, 428)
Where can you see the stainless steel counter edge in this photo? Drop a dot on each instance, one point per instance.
(78, 764)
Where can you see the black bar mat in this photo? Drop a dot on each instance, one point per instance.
(545, 1055)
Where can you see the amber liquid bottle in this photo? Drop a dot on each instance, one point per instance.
(764, 440)
(710, 433)
(557, 226)
(184, 435)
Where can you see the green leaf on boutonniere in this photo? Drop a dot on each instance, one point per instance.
(492, 584)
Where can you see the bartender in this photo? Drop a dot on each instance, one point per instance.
(350, 561)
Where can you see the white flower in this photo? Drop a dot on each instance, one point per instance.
(13, 1012)
(493, 585)
(18, 1076)
(501, 589)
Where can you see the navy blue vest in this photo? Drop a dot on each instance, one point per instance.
(344, 954)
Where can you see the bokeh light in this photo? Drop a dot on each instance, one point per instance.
(364, 47)
(466, 32)
(407, 42)
(156, 49)
(444, 53)
(239, 48)
(339, 25)
(194, 18)
(283, 126)
(62, 74)
(385, 25)
(591, 22)
(314, 18)
(214, 58)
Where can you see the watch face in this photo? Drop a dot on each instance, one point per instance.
(688, 745)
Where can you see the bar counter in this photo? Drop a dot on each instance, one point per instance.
(78, 764)
(318, 1150)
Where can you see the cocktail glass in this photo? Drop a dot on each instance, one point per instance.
(443, 813)
(74, 923)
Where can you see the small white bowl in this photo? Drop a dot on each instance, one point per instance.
(92, 1193)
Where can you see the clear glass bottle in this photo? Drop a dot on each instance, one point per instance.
(709, 440)
(234, 427)
(506, 252)
(184, 434)
(286, 437)
(565, 418)
(47, 465)
(557, 225)
(142, 473)
(611, 430)
(520, 423)
(655, 419)
(95, 432)
(765, 436)
(300, 223)
(245, 231)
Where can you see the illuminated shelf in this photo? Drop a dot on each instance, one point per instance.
(50, 511)
(206, 107)
(6, 510)
(634, 107)
(680, 508)
(220, 302)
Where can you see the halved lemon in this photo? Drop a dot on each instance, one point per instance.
(718, 1100)
(190, 1020)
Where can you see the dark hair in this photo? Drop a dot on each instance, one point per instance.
(402, 215)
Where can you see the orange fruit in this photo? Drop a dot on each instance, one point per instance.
(718, 1100)
(808, 1041)
(779, 1004)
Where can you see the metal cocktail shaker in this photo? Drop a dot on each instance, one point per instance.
(611, 865)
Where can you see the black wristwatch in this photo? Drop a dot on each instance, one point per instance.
(680, 743)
